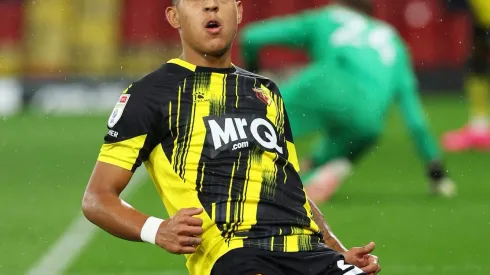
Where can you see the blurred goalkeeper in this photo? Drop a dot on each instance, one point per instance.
(360, 66)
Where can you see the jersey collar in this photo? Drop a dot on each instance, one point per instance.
(195, 68)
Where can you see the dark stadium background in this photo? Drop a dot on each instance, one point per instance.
(63, 64)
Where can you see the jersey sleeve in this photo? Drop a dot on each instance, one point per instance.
(291, 31)
(133, 129)
(411, 108)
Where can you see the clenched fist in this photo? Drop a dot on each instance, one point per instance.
(181, 233)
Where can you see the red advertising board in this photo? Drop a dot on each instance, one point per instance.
(10, 21)
(436, 36)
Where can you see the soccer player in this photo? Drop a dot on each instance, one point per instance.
(217, 144)
(475, 135)
(359, 67)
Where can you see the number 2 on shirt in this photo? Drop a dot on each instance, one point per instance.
(352, 32)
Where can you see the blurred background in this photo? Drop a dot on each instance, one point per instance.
(63, 64)
(55, 43)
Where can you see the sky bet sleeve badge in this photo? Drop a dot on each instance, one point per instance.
(118, 110)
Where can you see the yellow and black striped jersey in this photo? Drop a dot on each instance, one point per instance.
(217, 139)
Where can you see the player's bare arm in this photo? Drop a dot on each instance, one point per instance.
(103, 207)
(358, 256)
(328, 237)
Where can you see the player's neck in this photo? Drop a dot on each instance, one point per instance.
(201, 60)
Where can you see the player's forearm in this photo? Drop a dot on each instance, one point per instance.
(429, 152)
(250, 48)
(428, 148)
(291, 31)
(417, 124)
(328, 237)
(113, 215)
(288, 31)
(425, 142)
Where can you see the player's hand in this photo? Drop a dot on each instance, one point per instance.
(440, 183)
(360, 257)
(181, 233)
(444, 187)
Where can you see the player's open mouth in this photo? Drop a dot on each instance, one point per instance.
(213, 26)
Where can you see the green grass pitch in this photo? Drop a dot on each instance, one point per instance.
(45, 162)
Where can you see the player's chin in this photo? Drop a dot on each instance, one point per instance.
(217, 49)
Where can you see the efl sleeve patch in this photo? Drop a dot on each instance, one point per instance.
(135, 115)
(118, 110)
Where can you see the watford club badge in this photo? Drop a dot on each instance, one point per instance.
(263, 96)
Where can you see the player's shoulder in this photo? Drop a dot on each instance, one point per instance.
(158, 86)
(396, 37)
(165, 78)
(267, 82)
(380, 24)
(340, 13)
(242, 72)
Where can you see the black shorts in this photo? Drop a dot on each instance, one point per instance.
(252, 261)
